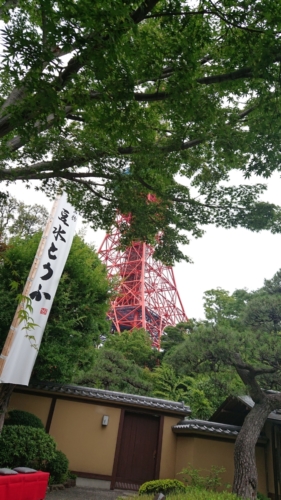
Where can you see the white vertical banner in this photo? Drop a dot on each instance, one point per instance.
(21, 347)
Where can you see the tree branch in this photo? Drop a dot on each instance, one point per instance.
(233, 75)
(215, 12)
(141, 13)
(74, 64)
(247, 112)
(206, 59)
(275, 400)
(245, 28)
(179, 13)
(76, 118)
(77, 62)
(239, 363)
(138, 96)
(156, 96)
(17, 142)
(51, 168)
(248, 374)
(167, 72)
(88, 184)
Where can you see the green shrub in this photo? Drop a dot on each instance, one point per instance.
(70, 475)
(18, 417)
(58, 468)
(210, 480)
(164, 486)
(260, 496)
(26, 447)
(195, 494)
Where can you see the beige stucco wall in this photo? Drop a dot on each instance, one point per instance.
(185, 453)
(38, 405)
(77, 429)
(168, 453)
(203, 453)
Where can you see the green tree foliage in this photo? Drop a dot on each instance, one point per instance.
(207, 389)
(215, 382)
(259, 310)
(123, 363)
(135, 345)
(168, 385)
(273, 286)
(174, 335)
(112, 101)
(112, 371)
(78, 315)
(264, 313)
(19, 219)
(220, 306)
(217, 385)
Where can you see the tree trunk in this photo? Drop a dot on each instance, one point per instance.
(5, 394)
(245, 482)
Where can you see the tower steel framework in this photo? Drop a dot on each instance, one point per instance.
(147, 295)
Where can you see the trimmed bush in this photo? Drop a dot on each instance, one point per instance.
(22, 446)
(18, 417)
(58, 468)
(164, 486)
(195, 494)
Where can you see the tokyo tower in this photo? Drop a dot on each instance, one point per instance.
(147, 295)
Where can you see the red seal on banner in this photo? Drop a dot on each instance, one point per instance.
(43, 310)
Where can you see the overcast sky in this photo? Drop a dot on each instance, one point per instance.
(230, 259)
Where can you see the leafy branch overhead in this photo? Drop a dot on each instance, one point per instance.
(115, 101)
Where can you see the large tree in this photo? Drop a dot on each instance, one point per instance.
(111, 101)
(113, 371)
(135, 345)
(167, 385)
(123, 363)
(19, 219)
(174, 335)
(242, 336)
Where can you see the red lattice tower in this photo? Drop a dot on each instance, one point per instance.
(147, 296)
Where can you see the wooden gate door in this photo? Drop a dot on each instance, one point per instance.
(137, 457)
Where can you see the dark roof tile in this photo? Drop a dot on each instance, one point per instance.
(112, 396)
(206, 426)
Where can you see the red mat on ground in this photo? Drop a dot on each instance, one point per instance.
(24, 486)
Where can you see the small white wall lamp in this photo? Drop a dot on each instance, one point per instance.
(105, 420)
